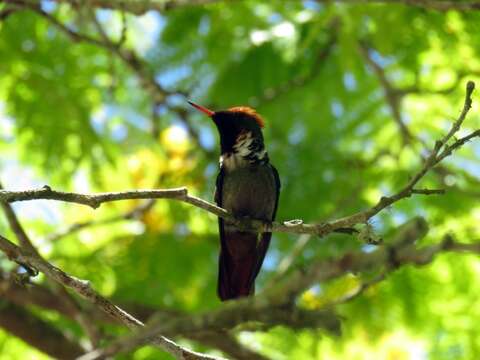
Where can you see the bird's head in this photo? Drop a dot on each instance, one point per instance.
(234, 125)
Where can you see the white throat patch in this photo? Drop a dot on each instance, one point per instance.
(246, 151)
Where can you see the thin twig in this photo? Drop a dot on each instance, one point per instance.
(437, 5)
(428, 191)
(392, 96)
(298, 81)
(133, 214)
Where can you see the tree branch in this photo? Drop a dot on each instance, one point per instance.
(133, 214)
(84, 289)
(137, 7)
(181, 194)
(36, 332)
(400, 251)
(92, 200)
(318, 64)
(228, 316)
(16, 227)
(227, 343)
(42, 297)
(27, 244)
(392, 96)
(437, 5)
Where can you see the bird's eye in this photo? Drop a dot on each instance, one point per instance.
(243, 135)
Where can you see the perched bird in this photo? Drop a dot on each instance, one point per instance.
(247, 186)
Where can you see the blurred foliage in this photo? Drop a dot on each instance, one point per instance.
(74, 116)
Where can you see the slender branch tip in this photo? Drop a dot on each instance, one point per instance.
(470, 87)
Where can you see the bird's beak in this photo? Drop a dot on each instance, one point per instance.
(209, 113)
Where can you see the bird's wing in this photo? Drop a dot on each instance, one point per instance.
(278, 185)
(218, 201)
(218, 187)
(265, 237)
(236, 278)
(223, 279)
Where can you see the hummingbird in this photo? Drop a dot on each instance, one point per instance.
(247, 185)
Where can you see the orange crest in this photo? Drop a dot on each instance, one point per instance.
(250, 112)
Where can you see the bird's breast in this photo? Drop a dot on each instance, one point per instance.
(233, 161)
(250, 191)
